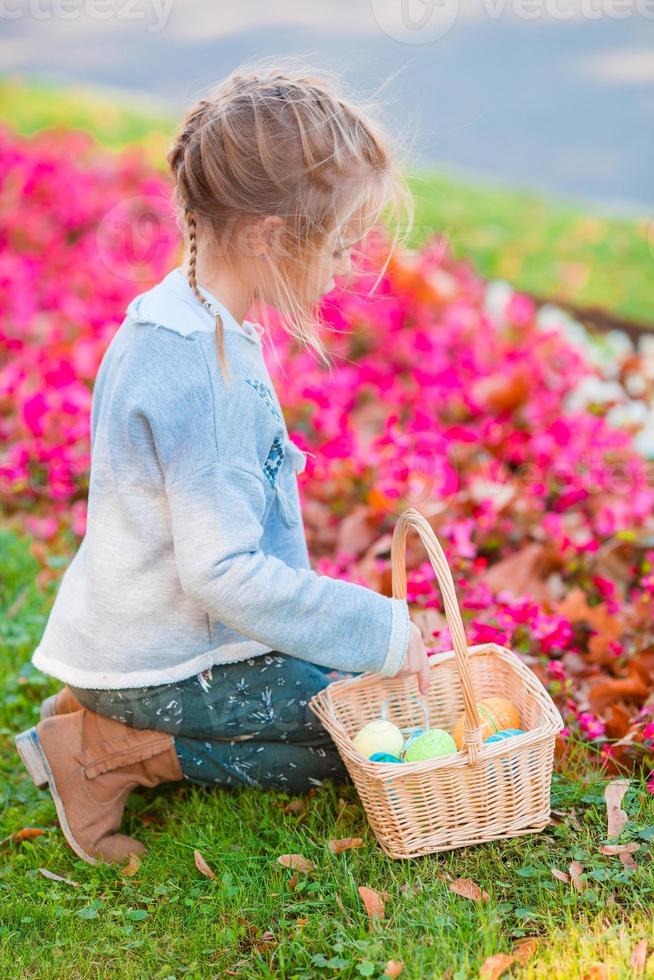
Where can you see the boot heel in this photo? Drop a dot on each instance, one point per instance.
(29, 749)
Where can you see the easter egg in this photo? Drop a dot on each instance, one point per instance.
(430, 745)
(495, 715)
(411, 739)
(500, 736)
(384, 757)
(379, 736)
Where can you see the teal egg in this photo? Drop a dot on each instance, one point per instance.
(500, 736)
(384, 757)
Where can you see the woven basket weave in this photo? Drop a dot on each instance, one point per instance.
(482, 793)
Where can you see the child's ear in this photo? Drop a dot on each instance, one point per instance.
(271, 231)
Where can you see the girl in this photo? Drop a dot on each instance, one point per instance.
(189, 628)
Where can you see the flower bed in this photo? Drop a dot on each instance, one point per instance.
(510, 430)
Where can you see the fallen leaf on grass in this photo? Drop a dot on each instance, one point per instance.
(638, 960)
(619, 849)
(296, 862)
(494, 966)
(373, 902)
(203, 867)
(295, 807)
(467, 888)
(51, 876)
(344, 844)
(576, 870)
(393, 968)
(615, 816)
(628, 862)
(26, 833)
(133, 865)
(561, 875)
(525, 949)
(560, 816)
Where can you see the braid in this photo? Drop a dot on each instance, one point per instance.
(192, 227)
(177, 160)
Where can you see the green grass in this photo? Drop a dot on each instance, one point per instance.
(554, 250)
(169, 921)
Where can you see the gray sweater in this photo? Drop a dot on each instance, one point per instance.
(195, 552)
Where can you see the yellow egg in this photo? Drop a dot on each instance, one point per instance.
(495, 715)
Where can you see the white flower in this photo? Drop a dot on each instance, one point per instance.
(497, 297)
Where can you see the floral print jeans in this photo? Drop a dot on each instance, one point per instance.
(247, 723)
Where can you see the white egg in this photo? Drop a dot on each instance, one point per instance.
(379, 736)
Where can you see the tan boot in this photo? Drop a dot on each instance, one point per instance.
(91, 764)
(61, 703)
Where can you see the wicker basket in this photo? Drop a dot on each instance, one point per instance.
(484, 792)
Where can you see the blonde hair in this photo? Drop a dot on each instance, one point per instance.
(275, 140)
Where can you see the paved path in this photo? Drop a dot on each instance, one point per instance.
(512, 89)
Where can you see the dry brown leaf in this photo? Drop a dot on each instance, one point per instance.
(561, 875)
(502, 392)
(296, 862)
(523, 573)
(576, 870)
(292, 881)
(618, 721)
(574, 607)
(467, 888)
(393, 968)
(373, 902)
(615, 816)
(605, 623)
(344, 844)
(26, 833)
(132, 866)
(525, 949)
(295, 806)
(603, 692)
(356, 532)
(628, 862)
(638, 960)
(619, 849)
(203, 867)
(494, 966)
(51, 876)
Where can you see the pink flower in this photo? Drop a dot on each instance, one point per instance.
(555, 670)
(592, 726)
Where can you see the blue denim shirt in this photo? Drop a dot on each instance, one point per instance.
(195, 552)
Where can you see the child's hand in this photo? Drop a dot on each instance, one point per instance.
(416, 660)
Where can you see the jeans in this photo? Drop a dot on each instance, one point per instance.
(247, 723)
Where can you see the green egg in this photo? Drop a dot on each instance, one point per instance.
(430, 745)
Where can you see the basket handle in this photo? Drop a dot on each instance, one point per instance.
(410, 518)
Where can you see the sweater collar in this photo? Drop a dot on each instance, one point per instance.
(173, 304)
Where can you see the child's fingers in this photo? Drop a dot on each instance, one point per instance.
(423, 677)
